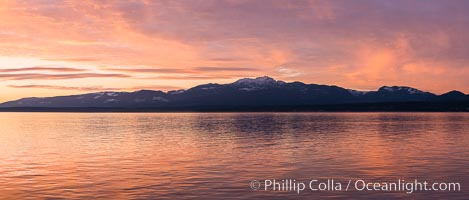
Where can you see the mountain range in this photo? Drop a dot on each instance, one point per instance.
(248, 92)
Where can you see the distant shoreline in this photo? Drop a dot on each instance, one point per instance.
(358, 107)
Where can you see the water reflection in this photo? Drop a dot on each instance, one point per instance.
(216, 155)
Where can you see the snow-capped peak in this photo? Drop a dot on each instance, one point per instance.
(357, 92)
(259, 81)
(176, 91)
(401, 89)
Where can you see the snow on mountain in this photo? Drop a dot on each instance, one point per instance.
(176, 91)
(356, 92)
(209, 88)
(111, 100)
(248, 89)
(408, 90)
(160, 99)
(112, 94)
(259, 81)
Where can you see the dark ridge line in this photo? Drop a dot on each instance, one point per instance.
(458, 106)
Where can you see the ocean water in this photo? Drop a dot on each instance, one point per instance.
(218, 155)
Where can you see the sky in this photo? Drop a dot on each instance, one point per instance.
(50, 48)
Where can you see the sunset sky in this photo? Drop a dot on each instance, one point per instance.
(50, 48)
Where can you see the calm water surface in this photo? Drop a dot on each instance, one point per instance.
(216, 155)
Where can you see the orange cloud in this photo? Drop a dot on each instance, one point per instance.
(95, 88)
(38, 76)
(55, 69)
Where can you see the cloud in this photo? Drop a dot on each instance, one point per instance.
(96, 88)
(81, 43)
(194, 70)
(286, 72)
(146, 70)
(74, 59)
(155, 87)
(221, 68)
(39, 68)
(191, 77)
(57, 87)
(39, 76)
